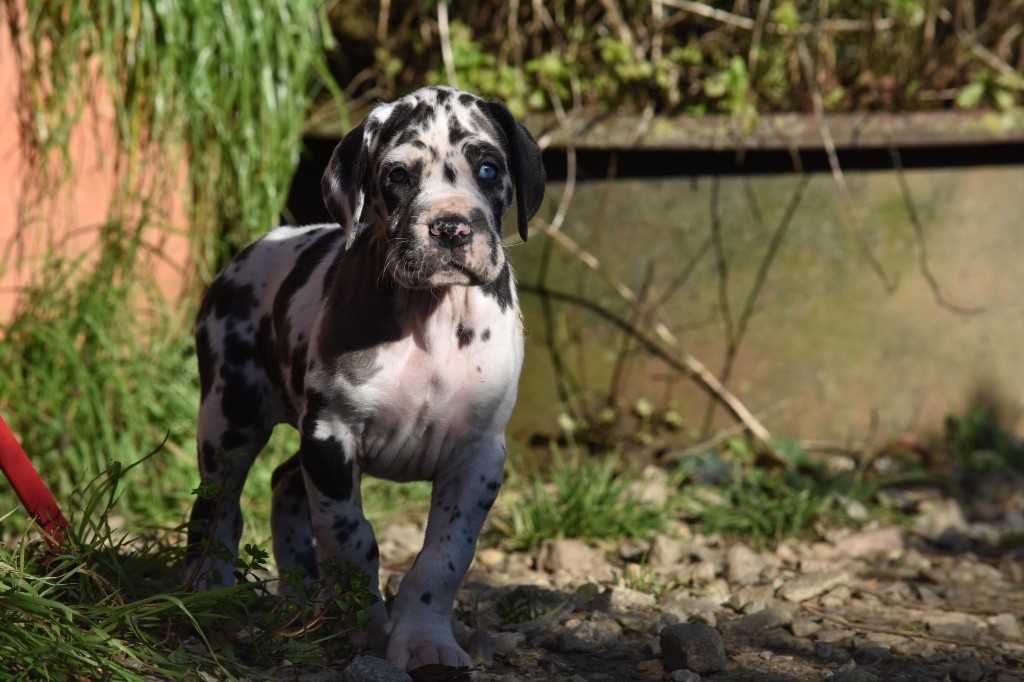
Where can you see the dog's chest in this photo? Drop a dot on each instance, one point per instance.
(447, 383)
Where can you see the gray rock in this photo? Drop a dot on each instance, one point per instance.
(507, 642)
(968, 670)
(372, 669)
(751, 599)
(952, 624)
(627, 599)
(481, 648)
(693, 646)
(1006, 626)
(811, 585)
(651, 489)
(756, 623)
(684, 676)
(570, 556)
(804, 626)
(743, 565)
(666, 551)
(881, 540)
(943, 522)
(852, 675)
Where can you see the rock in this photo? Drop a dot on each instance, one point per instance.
(627, 599)
(392, 584)
(743, 565)
(651, 668)
(943, 522)
(952, 624)
(373, 669)
(490, 557)
(1006, 626)
(833, 635)
(401, 540)
(651, 489)
(570, 556)
(507, 642)
(811, 585)
(804, 626)
(666, 551)
(699, 573)
(633, 549)
(882, 540)
(968, 670)
(852, 675)
(589, 636)
(693, 646)
(752, 599)
(756, 623)
(684, 676)
(523, 659)
(837, 597)
(481, 648)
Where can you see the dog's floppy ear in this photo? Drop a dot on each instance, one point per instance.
(527, 166)
(345, 182)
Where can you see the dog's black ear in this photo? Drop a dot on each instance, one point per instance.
(527, 167)
(345, 182)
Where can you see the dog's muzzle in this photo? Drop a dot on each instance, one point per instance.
(451, 231)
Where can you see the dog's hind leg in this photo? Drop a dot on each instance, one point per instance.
(294, 543)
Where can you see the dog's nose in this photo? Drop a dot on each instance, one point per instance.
(452, 231)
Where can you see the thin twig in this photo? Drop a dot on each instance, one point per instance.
(921, 246)
(446, 42)
(850, 211)
(684, 363)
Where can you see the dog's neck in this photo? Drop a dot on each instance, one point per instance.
(364, 289)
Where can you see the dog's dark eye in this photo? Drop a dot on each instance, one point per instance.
(399, 175)
(487, 171)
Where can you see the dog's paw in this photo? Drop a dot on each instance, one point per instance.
(411, 649)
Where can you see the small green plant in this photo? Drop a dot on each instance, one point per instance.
(582, 497)
(109, 605)
(768, 504)
(979, 429)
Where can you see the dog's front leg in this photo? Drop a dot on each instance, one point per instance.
(421, 631)
(336, 515)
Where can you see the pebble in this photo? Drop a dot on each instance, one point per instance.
(756, 623)
(692, 646)
(666, 551)
(507, 642)
(1007, 627)
(574, 557)
(852, 675)
(878, 541)
(743, 565)
(968, 670)
(628, 599)
(481, 648)
(373, 669)
(804, 626)
(523, 659)
(684, 676)
(811, 585)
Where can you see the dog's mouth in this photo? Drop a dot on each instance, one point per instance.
(417, 269)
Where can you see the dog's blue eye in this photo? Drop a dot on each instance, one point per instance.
(398, 175)
(487, 172)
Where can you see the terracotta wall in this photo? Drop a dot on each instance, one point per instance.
(66, 219)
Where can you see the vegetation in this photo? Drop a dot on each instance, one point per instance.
(739, 57)
(109, 605)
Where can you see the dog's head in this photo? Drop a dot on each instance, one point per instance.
(433, 174)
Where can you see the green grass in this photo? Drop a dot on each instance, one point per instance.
(769, 504)
(108, 605)
(580, 497)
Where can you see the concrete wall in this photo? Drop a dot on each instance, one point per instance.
(830, 353)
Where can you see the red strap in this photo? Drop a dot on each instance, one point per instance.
(30, 488)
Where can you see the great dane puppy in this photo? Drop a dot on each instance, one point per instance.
(392, 341)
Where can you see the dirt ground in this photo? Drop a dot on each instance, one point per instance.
(939, 599)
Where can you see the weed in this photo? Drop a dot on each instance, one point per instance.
(582, 498)
(766, 504)
(109, 605)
